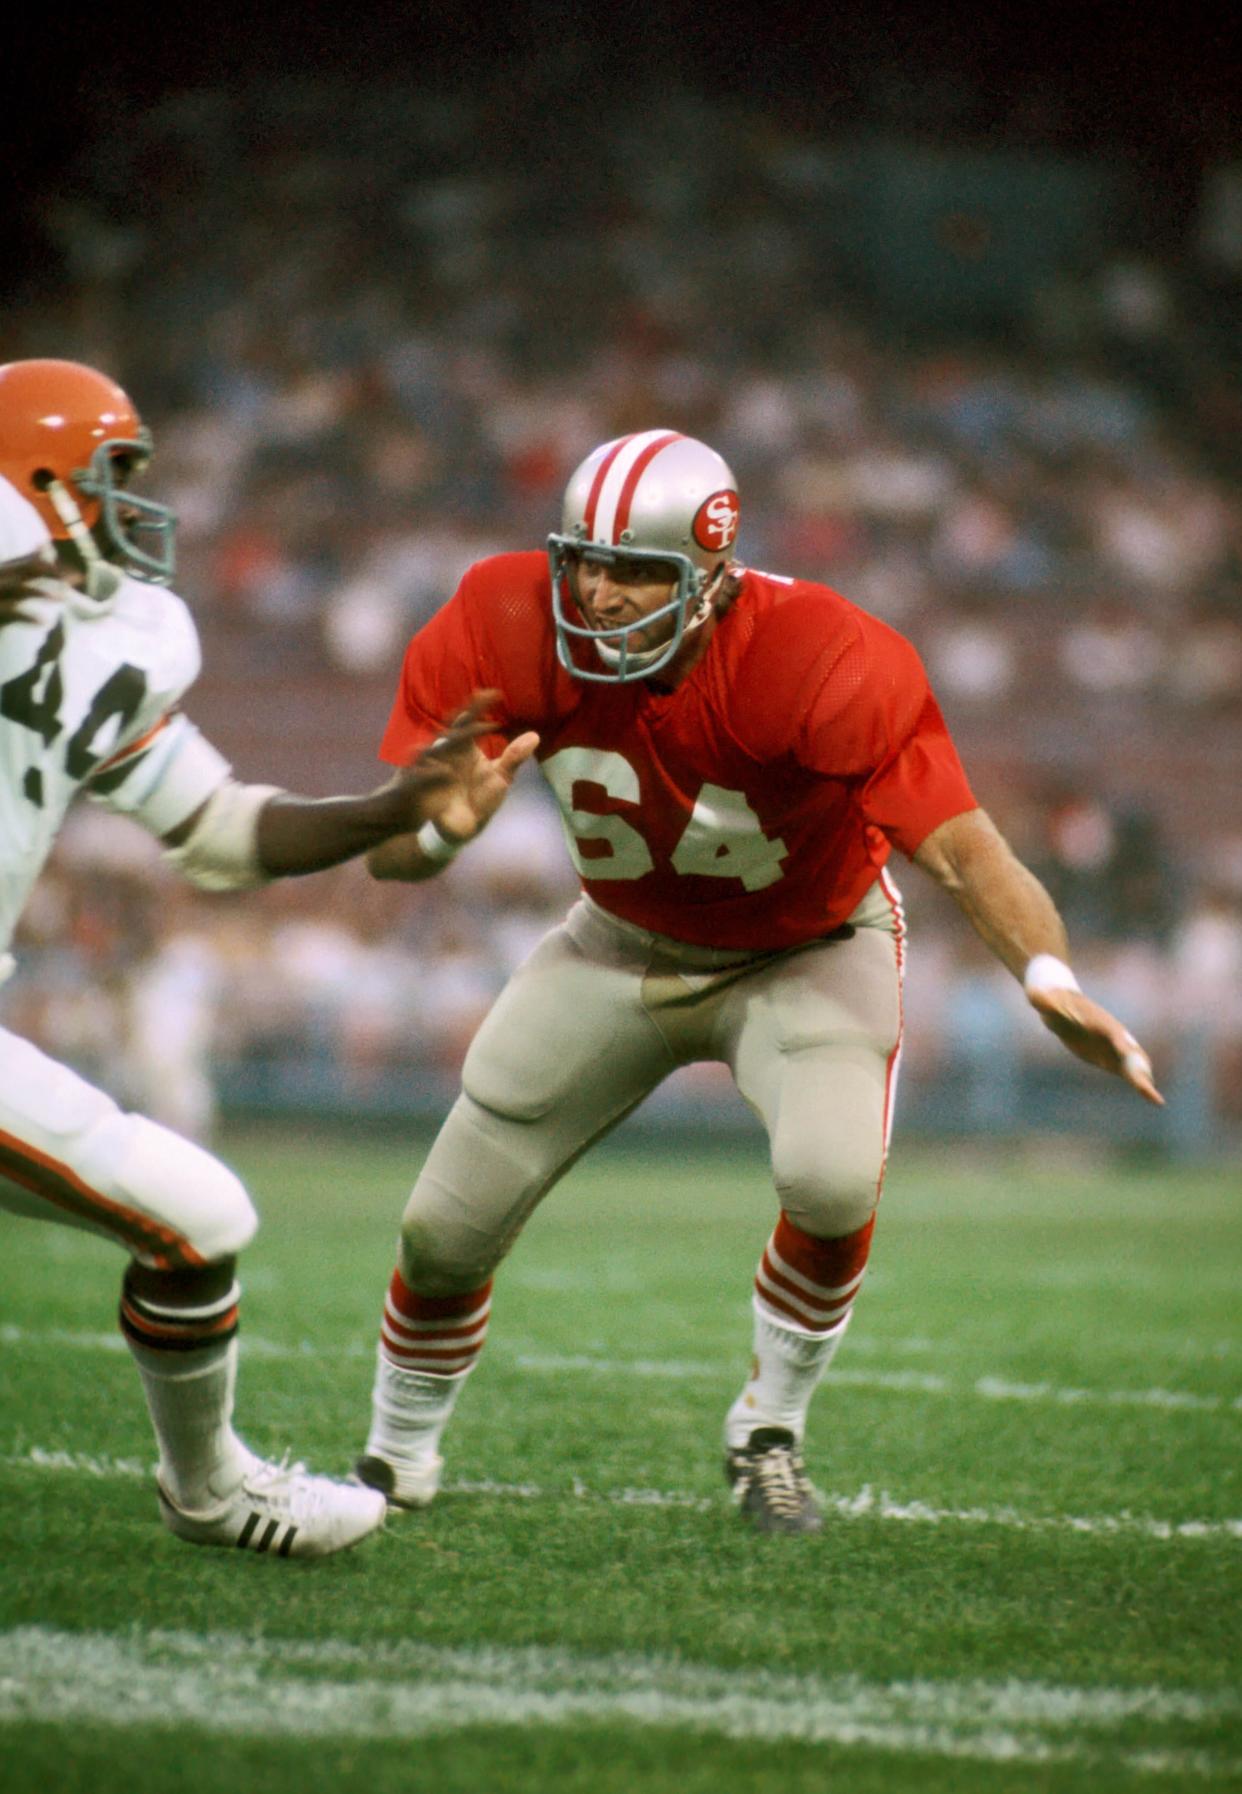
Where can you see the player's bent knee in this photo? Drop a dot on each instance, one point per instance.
(440, 1260)
(166, 1175)
(827, 1200)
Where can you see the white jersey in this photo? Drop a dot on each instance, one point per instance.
(88, 693)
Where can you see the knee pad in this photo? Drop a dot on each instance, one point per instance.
(185, 1186)
(481, 1179)
(827, 1196)
(444, 1262)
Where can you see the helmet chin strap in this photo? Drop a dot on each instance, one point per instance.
(102, 580)
(642, 657)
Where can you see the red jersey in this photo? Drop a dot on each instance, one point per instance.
(752, 805)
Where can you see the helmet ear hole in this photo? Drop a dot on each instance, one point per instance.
(69, 438)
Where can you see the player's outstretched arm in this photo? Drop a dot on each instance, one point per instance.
(465, 800)
(244, 835)
(1014, 915)
(443, 789)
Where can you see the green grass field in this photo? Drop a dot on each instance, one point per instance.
(1029, 1578)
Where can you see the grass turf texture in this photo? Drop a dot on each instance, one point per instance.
(1034, 1348)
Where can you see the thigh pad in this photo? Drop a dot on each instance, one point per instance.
(566, 1030)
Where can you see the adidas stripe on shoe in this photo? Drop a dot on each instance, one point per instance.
(283, 1510)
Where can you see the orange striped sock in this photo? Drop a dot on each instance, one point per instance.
(181, 1328)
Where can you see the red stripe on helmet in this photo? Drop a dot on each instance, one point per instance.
(632, 478)
(597, 484)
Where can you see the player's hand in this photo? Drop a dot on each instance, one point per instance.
(456, 786)
(438, 766)
(1093, 1034)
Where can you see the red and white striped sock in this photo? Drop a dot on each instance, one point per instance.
(428, 1347)
(804, 1294)
(440, 1334)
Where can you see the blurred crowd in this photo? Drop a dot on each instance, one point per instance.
(374, 333)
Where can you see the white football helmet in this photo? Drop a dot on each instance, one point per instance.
(657, 497)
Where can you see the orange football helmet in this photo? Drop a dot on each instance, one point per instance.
(70, 438)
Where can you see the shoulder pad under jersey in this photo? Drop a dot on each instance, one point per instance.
(150, 627)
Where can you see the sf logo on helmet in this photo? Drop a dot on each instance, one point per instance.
(715, 521)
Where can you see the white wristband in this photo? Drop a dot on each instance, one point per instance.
(1047, 972)
(435, 846)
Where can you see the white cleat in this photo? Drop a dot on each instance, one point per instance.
(403, 1482)
(284, 1510)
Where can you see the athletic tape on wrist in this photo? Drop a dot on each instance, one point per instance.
(435, 846)
(1046, 972)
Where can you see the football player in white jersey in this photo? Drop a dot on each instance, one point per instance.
(95, 654)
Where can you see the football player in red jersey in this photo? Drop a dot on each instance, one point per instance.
(735, 755)
(95, 655)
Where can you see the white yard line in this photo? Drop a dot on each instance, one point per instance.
(987, 1388)
(896, 1381)
(79, 1463)
(867, 1503)
(234, 1683)
(253, 1344)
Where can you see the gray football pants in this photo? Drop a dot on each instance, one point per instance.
(602, 1012)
